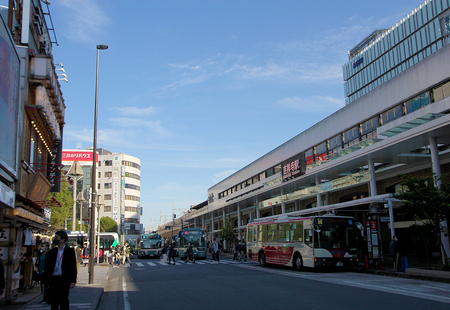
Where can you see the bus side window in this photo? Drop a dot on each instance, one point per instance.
(308, 236)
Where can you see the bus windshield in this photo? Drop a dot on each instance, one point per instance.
(151, 243)
(196, 237)
(334, 233)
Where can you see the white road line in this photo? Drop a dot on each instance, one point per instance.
(126, 301)
(163, 264)
(151, 264)
(140, 264)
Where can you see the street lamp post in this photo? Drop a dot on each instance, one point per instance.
(99, 205)
(93, 182)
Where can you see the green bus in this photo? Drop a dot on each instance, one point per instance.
(149, 245)
(197, 237)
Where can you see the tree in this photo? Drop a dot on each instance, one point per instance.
(428, 204)
(227, 233)
(60, 214)
(107, 224)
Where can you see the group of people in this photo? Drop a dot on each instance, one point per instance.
(168, 253)
(119, 256)
(240, 251)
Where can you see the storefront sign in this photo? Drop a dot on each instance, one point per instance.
(294, 167)
(43, 101)
(85, 156)
(38, 187)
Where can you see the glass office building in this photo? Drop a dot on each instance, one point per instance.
(386, 53)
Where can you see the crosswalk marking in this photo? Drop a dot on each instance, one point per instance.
(151, 264)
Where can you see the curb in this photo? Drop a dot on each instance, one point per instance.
(96, 301)
(406, 275)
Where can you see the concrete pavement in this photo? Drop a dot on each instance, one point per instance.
(87, 296)
(83, 296)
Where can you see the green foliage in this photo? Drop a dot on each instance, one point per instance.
(427, 204)
(107, 224)
(227, 233)
(59, 214)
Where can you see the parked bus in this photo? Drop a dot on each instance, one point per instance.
(303, 241)
(149, 245)
(107, 239)
(198, 238)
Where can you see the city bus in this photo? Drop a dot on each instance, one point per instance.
(149, 245)
(107, 239)
(197, 237)
(298, 242)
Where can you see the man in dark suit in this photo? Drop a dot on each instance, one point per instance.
(60, 271)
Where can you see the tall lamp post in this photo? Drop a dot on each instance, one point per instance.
(93, 182)
(100, 203)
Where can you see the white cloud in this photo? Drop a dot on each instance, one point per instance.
(138, 123)
(135, 111)
(85, 20)
(313, 104)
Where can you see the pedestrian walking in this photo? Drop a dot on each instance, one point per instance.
(164, 254)
(393, 250)
(60, 272)
(215, 249)
(171, 252)
(243, 251)
(117, 254)
(190, 253)
(235, 250)
(85, 254)
(126, 254)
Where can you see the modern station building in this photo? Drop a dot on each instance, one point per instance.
(396, 121)
(118, 184)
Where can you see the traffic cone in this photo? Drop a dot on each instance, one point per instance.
(406, 262)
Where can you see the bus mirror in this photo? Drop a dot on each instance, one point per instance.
(310, 233)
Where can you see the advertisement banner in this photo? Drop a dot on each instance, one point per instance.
(84, 156)
(9, 100)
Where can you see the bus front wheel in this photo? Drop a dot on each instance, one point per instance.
(297, 263)
(262, 259)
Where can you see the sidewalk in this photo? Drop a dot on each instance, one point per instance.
(84, 295)
(414, 273)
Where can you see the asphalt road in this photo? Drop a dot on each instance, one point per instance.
(148, 284)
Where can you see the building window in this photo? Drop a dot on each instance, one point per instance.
(132, 186)
(321, 152)
(417, 103)
(132, 175)
(130, 209)
(130, 164)
(351, 136)
(369, 128)
(107, 197)
(107, 208)
(133, 198)
(108, 174)
(107, 185)
(391, 114)
(334, 144)
(108, 163)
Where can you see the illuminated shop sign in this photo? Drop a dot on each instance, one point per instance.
(78, 155)
(294, 167)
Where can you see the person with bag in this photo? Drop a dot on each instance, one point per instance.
(171, 252)
(190, 254)
(60, 272)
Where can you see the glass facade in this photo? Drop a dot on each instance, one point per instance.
(420, 34)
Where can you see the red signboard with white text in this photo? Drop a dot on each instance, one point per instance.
(78, 155)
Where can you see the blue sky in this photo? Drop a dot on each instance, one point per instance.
(199, 89)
